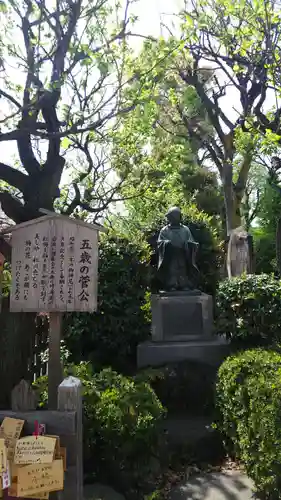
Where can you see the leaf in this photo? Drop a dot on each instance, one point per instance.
(65, 143)
(3, 6)
(103, 67)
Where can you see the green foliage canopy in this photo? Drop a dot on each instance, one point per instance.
(156, 148)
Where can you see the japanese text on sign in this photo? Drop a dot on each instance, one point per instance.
(85, 263)
(34, 479)
(54, 267)
(34, 450)
(10, 430)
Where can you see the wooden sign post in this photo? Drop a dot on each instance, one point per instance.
(55, 368)
(54, 270)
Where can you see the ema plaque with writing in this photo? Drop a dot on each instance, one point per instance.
(54, 265)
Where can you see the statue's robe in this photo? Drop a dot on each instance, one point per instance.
(176, 256)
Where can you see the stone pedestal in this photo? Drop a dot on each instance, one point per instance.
(181, 316)
(182, 329)
(212, 352)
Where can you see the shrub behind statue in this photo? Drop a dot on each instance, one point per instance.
(248, 310)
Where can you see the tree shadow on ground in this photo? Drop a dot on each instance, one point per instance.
(230, 485)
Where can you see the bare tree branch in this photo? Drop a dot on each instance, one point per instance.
(10, 98)
(13, 177)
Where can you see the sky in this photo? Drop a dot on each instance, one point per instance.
(150, 13)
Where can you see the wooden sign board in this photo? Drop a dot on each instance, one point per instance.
(11, 427)
(34, 479)
(57, 439)
(13, 492)
(40, 496)
(3, 456)
(62, 454)
(34, 450)
(54, 265)
(10, 430)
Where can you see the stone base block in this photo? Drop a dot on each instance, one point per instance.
(181, 316)
(212, 352)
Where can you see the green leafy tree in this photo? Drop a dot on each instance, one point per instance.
(61, 106)
(177, 106)
(241, 40)
(153, 144)
(240, 43)
(265, 233)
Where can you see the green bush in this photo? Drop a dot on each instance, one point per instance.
(249, 403)
(121, 424)
(126, 413)
(110, 335)
(248, 309)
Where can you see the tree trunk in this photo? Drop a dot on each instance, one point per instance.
(239, 255)
(39, 186)
(228, 197)
(17, 333)
(232, 203)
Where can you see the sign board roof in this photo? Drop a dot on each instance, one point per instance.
(52, 216)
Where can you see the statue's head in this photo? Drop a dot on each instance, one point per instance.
(174, 215)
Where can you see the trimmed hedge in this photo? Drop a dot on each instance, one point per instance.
(248, 397)
(248, 310)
